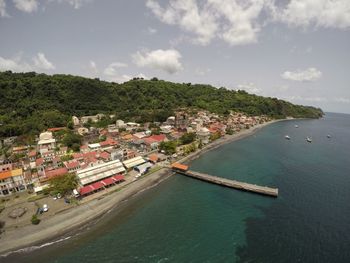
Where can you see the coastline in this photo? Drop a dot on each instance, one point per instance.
(72, 219)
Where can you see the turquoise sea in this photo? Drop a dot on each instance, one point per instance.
(185, 220)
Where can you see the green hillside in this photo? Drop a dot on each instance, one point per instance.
(31, 102)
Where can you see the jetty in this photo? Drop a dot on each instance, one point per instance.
(263, 190)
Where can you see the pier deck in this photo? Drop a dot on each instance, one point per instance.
(264, 190)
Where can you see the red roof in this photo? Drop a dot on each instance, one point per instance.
(39, 161)
(72, 165)
(153, 158)
(86, 189)
(97, 185)
(149, 140)
(32, 154)
(108, 181)
(105, 155)
(109, 142)
(179, 166)
(78, 155)
(56, 172)
(158, 138)
(84, 147)
(56, 129)
(118, 178)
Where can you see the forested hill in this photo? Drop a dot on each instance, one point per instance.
(31, 102)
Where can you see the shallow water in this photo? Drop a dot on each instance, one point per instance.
(185, 220)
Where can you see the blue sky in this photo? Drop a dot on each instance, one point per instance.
(297, 50)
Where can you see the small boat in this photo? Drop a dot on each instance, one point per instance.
(296, 126)
(328, 136)
(287, 137)
(308, 139)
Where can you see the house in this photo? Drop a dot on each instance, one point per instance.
(12, 181)
(19, 149)
(94, 146)
(152, 142)
(203, 135)
(46, 142)
(72, 166)
(55, 172)
(75, 121)
(84, 148)
(32, 155)
(5, 165)
(108, 144)
(105, 156)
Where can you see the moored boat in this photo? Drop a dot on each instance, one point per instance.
(308, 139)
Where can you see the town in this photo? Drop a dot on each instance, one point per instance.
(99, 154)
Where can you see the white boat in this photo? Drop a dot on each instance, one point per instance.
(287, 137)
(296, 126)
(328, 136)
(308, 139)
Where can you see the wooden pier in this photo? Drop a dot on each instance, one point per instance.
(263, 190)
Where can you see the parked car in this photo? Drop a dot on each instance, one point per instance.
(45, 208)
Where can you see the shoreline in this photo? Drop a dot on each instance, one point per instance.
(75, 218)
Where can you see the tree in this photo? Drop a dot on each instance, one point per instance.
(71, 139)
(63, 184)
(188, 138)
(35, 220)
(168, 147)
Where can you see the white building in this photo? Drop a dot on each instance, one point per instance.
(46, 142)
(203, 135)
(98, 172)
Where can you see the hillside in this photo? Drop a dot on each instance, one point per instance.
(31, 102)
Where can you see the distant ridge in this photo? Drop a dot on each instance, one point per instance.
(31, 102)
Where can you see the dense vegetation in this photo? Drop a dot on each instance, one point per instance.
(31, 102)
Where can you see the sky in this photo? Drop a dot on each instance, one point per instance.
(296, 50)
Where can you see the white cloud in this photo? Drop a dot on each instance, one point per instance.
(125, 77)
(151, 30)
(320, 13)
(239, 22)
(112, 69)
(17, 64)
(249, 87)
(306, 99)
(342, 100)
(310, 74)
(76, 3)
(234, 21)
(27, 6)
(187, 15)
(41, 62)
(202, 72)
(93, 67)
(3, 12)
(167, 60)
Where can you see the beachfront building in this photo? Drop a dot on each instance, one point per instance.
(133, 162)
(46, 142)
(99, 172)
(203, 135)
(12, 181)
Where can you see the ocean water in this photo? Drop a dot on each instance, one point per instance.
(185, 220)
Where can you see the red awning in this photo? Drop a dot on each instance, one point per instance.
(118, 178)
(108, 181)
(86, 190)
(97, 185)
